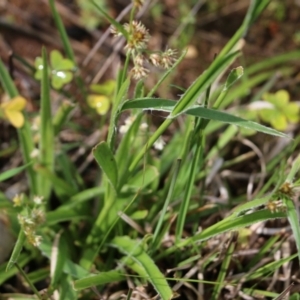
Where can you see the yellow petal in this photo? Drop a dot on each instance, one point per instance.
(15, 117)
(17, 103)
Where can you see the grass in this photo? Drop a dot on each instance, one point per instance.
(144, 227)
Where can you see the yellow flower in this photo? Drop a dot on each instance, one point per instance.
(99, 102)
(12, 111)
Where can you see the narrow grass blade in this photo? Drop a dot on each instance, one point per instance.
(135, 251)
(125, 148)
(17, 250)
(155, 240)
(143, 178)
(196, 161)
(150, 103)
(293, 219)
(269, 268)
(266, 247)
(216, 115)
(106, 160)
(5, 274)
(12, 172)
(225, 225)
(62, 31)
(295, 168)
(203, 82)
(99, 279)
(167, 73)
(69, 267)
(224, 267)
(111, 20)
(46, 143)
(62, 188)
(66, 288)
(62, 115)
(24, 133)
(273, 62)
(117, 102)
(235, 223)
(58, 257)
(64, 214)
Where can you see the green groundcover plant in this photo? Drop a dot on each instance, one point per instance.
(146, 224)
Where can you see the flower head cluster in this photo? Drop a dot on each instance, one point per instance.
(164, 60)
(31, 219)
(137, 42)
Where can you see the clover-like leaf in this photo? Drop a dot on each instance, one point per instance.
(38, 63)
(100, 103)
(61, 69)
(60, 78)
(281, 110)
(12, 111)
(58, 63)
(107, 88)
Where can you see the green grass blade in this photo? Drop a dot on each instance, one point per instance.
(293, 219)
(58, 257)
(216, 115)
(61, 116)
(295, 168)
(155, 240)
(224, 267)
(273, 61)
(270, 268)
(115, 111)
(167, 73)
(225, 225)
(24, 133)
(111, 20)
(99, 279)
(235, 223)
(69, 267)
(189, 187)
(134, 250)
(149, 103)
(61, 188)
(203, 82)
(62, 31)
(12, 172)
(23, 260)
(17, 250)
(64, 215)
(46, 143)
(106, 160)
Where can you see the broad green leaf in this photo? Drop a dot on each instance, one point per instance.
(107, 162)
(98, 279)
(135, 251)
